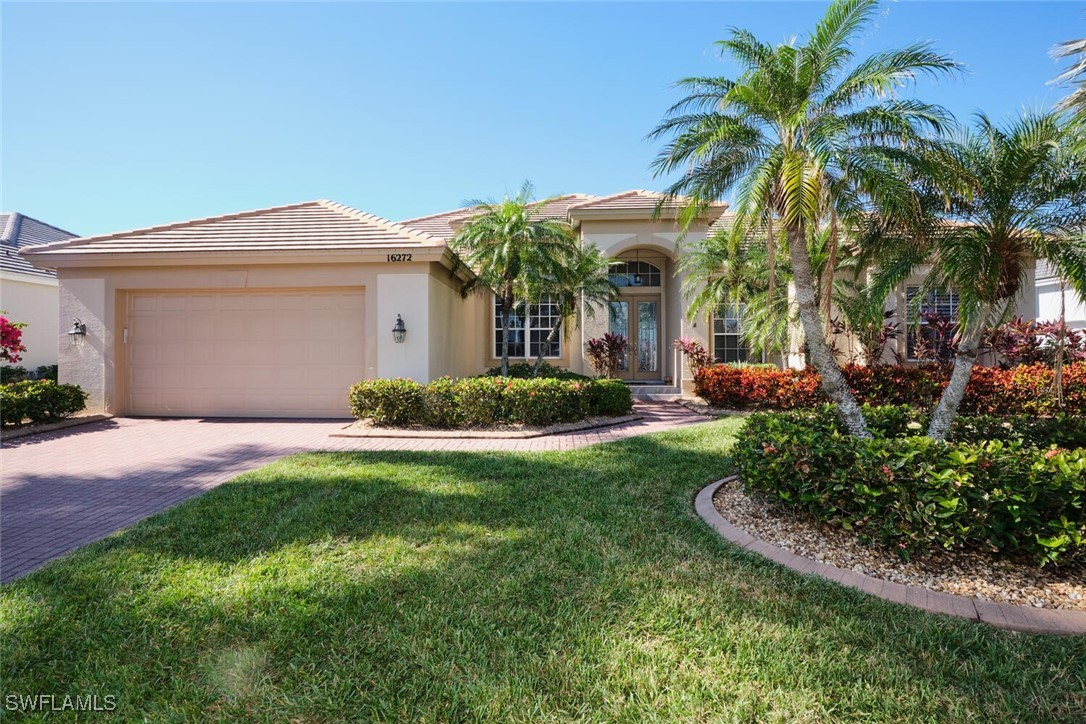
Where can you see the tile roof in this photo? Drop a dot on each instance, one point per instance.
(442, 225)
(437, 225)
(18, 231)
(308, 226)
(632, 200)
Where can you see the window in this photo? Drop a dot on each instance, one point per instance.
(932, 324)
(635, 274)
(728, 343)
(529, 327)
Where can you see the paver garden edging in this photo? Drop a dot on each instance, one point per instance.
(1002, 615)
(393, 432)
(17, 432)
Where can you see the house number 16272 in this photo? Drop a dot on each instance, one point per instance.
(399, 257)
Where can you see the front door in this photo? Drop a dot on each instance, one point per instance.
(638, 320)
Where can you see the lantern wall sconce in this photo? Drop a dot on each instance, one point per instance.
(78, 331)
(399, 332)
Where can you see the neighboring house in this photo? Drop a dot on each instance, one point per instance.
(275, 312)
(1048, 299)
(29, 294)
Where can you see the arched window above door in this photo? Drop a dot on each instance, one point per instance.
(635, 274)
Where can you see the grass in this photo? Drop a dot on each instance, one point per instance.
(451, 586)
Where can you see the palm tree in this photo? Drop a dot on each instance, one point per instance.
(583, 281)
(511, 247)
(1075, 76)
(805, 135)
(728, 268)
(1011, 195)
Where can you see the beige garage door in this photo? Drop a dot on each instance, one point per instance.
(244, 354)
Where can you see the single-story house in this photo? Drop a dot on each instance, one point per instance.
(29, 294)
(275, 312)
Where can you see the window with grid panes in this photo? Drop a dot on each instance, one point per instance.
(728, 344)
(529, 327)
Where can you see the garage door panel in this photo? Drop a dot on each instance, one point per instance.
(290, 354)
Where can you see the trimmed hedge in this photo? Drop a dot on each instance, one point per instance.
(486, 401)
(525, 370)
(40, 401)
(915, 493)
(1022, 389)
(1061, 430)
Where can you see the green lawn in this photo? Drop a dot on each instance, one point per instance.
(451, 586)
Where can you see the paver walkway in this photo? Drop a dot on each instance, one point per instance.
(63, 489)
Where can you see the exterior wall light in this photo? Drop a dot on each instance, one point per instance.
(399, 332)
(78, 331)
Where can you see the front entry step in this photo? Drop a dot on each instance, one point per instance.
(657, 393)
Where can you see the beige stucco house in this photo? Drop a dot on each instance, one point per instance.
(275, 312)
(29, 294)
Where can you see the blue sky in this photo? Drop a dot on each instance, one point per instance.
(123, 115)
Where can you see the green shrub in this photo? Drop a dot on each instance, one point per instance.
(482, 401)
(440, 406)
(524, 370)
(11, 373)
(1061, 430)
(915, 493)
(609, 398)
(486, 401)
(546, 402)
(47, 372)
(395, 403)
(40, 401)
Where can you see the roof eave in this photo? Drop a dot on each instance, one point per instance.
(668, 213)
(369, 255)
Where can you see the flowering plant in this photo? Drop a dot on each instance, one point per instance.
(606, 353)
(695, 353)
(11, 340)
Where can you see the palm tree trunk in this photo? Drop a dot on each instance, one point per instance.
(771, 258)
(964, 360)
(1061, 346)
(505, 337)
(546, 347)
(833, 381)
(828, 272)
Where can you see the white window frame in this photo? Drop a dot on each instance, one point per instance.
(721, 313)
(530, 324)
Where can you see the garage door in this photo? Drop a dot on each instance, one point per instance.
(244, 354)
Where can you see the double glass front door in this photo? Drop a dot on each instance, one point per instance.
(638, 320)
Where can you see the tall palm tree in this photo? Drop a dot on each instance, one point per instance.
(511, 247)
(582, 282)
(1074, 76)
(806, 134)
(1011, 195)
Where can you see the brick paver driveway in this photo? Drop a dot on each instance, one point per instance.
(64, 489)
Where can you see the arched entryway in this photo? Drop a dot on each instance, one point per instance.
(638, 315)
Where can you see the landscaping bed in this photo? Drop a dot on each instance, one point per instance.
(366, 428)
(487, 402)
(1023, 389)
(970, 573)
(997, 512)
(38, 402)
